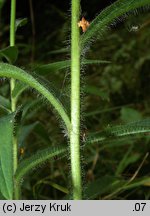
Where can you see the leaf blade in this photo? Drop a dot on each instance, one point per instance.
(138, 127)
(6, 169)
(56, 66)
(10, 54)
(10, 71)
(40, 157)
(109, 15)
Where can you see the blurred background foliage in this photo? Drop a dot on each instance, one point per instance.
(113, 93)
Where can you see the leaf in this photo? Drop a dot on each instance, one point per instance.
(112, 186)
(52, 184)
(21, 22)
(35, 127)
(97, 112)
(5, 104)
(92, 61)
(59, 51)
(101, 186)
(52, 67)
(108, 16)
(113, 143)
(31, 107)
(2, 197)
(127, 160)
(11, 71)
(19, 88)
(10, 54)
(27, 165)
(130, 114)
(109, 133)
(143, 181)
(24, 132)
(127, 185)
(6, 169)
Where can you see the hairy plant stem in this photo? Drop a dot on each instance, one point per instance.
(75, 102)
(12, 86)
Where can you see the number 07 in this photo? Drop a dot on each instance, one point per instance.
(139, 206)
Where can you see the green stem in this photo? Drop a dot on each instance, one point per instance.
(12, 22)
(12, 86)
(75, 102)
(17, 191)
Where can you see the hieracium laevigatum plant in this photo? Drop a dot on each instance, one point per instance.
(12, 171)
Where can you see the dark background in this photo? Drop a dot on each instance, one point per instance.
(48, 17)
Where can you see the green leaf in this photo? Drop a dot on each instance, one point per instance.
(144, 181)
(46, 181)
(2, 197)
(5, 104)
(130, 114)
(127, 160)
(24, 132)
(127, 185)
(39, 158)
(110, 186)
(6, 169)
(59, 51)
(92, 61)
(134, 128)
(52, 67)
(101, 186)
(35, 127)
(21, 22)
(11, 71)
(97, 112)
(109, 15)
(19, 88)
(113, 143)
(31, 107)
(10, 54)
